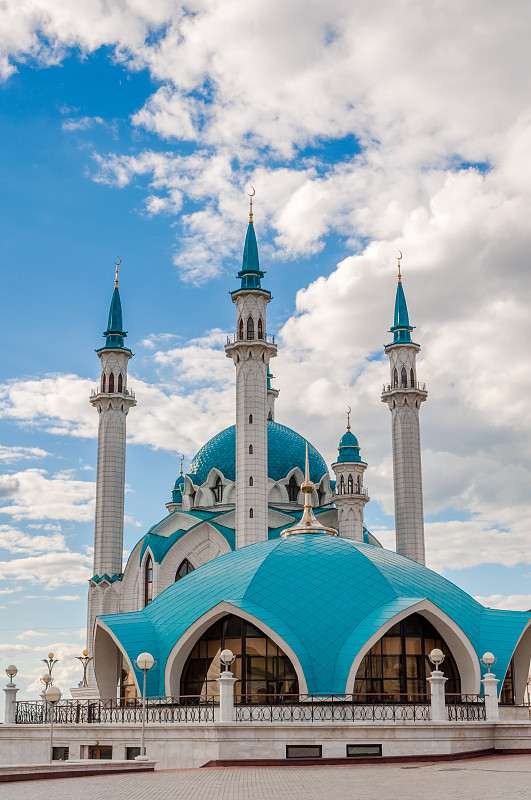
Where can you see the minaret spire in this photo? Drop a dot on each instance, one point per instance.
(404, 395)
(308, 522)
(350, 496)
(251, 350)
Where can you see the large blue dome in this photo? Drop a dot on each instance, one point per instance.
(285, 449)
(323, 595)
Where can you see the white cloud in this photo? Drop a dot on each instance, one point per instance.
(82, 123)
(513, 602)
(31, 494)
(8, 454)
(54, 570)
(31, 634)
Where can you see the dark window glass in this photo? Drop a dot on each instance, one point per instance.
(103, 382)
(354, 750)
(412, 377)
(293, 489)
(262, 669)
(250, 419)
(148, 581)
(240, 330)
(260, 328)
(251, 481)
(60, 754)
(398, 663)
(250, 449)
(111, 382)
(131, 753)
(304, 751)
(350, 485)
(342, 485)
(250, 328)
(184, 568)
(403, 377)
(251, 513)
(100, 752)
(507, 692)
(218, 490)
(395, 379)
(120, 382)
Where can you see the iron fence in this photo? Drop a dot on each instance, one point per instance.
(332, 708)
(85, 712)
(466, 707)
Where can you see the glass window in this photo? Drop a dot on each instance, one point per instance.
(398, 663)
(260, 328)
(293, 489)
(262, 669)
(250, 328)
(350, 485)
(184, 568)
(240, 330)
(507, 692)
(111, 382)
(148, 581)
(218, 490)
(403, 377)
(120, 382)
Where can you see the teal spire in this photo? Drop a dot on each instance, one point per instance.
(401, 327)
(250, 272)
(115, 333)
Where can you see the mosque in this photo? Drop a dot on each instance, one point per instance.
(264, 551)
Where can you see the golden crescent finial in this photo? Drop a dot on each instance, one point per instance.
(182, 459)
(251, 204)
(399, 259)
(349, 412)
(117, 264)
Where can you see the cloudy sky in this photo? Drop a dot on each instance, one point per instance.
(133, 129)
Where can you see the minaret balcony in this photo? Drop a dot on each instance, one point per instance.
(354, 492)
(417, 387)
(126, 392)
(232, 338)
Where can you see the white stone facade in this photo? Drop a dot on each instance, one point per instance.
(350, 497)
(404, 395)
(251, 353)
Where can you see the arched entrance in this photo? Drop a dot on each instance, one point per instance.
(261, 667)
(398, 663)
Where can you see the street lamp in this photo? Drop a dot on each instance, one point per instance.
(436, 657)
(145, 662)
(489, 659)
(52, 695)
(11, 671)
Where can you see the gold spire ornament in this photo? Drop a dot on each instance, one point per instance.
(399, 259)
(181, 473)
(117, 264)
(308, 522)
(251, 204)
(349, 412)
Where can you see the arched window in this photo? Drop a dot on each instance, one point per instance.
(250, 328)
(240, 330)
(358, 485)
(251, 481)
(342, 485)
(250, 419)
(293, 489)
(184, 568)
(403, 377)
(398, 663)
(250, 449)
(320, 496)
(251, 513)
(218, 490)
(103, 382)
(120, 382)
(260, 328)
(395, 378)
(270, 415)
(262, 668)
(412, 378)
(350, 485)
(148, 581)
(111, 382)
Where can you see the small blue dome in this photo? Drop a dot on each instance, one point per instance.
(323, 595)
(349, 449)
(177, 492)
(285, 449)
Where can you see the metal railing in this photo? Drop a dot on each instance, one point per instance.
(465, 707)
(266, 337)
(127, 392)
(86, 712)
(332, 708)
(388, 387)
(355, 490)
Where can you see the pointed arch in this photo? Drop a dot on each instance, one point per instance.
(103, 382)
(120, 383)
(342, 485)
(358, 485)
(251, 481)
(183, 569)
(111, 383)
(240, 329)
(293, 489)
(403, 378)
(350, 485)
(395, 378)
(260, 328)
(250, 328)
(217, 491)
(250, 449)
(251, 513)
(412, 378)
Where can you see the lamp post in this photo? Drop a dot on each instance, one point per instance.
(437, 681)
(85, 660)
(145, 662)
(53, 695)
(226, 687)
(11, 696)
(490, 684)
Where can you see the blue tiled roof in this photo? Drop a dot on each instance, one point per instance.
(325, 596)
(115, 333)
(285, 449)
(349, 449)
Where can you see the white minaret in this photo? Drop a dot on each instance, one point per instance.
(404, 395)
(272, 395)
(112, 400)
(350, 496)
(251, 350)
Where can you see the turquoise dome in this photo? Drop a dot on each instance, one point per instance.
(349, 449)
(323, 595)
(285, 449)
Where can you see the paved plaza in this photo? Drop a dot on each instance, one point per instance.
(501, 778)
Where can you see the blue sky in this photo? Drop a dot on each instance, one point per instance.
(134, 131)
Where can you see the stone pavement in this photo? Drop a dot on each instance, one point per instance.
(499, 778)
